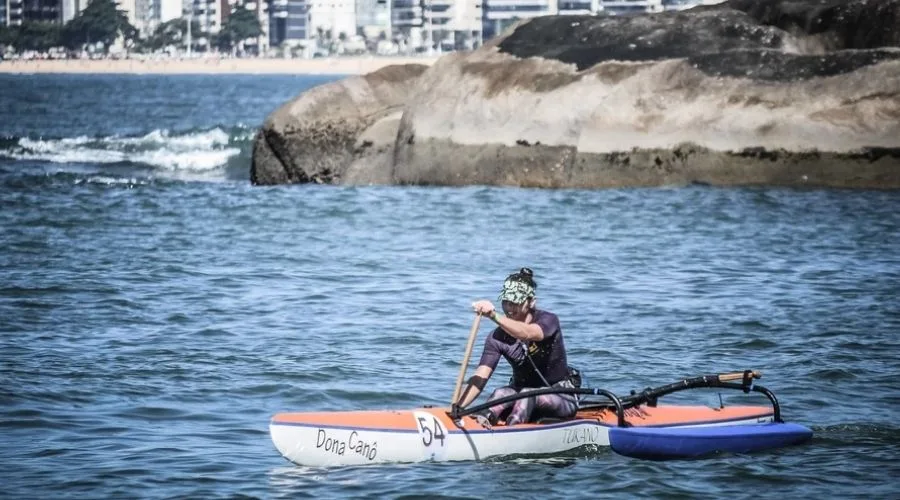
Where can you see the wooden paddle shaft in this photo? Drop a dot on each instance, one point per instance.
(465, 362)
(727, 377)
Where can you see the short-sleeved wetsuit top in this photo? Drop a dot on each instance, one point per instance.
(549, 355)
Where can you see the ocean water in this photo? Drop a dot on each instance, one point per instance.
(156, 310)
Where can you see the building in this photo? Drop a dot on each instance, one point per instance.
(429, 25)
(329, 19)
(208, 15)
(289, 23)
(452, 24)
(579, 7)
(501, 14)
(4, 13)
(306, 22)
(687, 4)
(164, 11)
(373, 18)
(71, 8)
(630, 7)
(19, 11)
(407, 20)
(130, 9)
(167, 10)
(261, 7)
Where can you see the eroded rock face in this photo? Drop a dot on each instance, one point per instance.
(313, 138)
(743, 93)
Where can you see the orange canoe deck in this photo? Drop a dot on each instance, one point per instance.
(644, 416)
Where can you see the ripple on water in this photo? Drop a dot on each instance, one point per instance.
(152, 333)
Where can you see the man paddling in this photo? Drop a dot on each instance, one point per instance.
(531, 341)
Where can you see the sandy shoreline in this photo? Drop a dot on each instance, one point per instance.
(332, 66)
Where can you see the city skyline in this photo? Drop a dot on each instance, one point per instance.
(417, 24)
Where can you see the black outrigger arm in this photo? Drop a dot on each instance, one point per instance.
(650, 395)
(456, 412)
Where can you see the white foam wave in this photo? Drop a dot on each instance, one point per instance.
(192, 151)
(113, 181)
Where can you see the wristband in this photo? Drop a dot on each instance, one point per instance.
(494, 317)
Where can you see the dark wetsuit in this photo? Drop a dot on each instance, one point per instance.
(548, 356)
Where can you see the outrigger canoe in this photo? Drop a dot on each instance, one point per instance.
(634, 425)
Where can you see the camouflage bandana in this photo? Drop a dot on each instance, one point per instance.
(516, 292)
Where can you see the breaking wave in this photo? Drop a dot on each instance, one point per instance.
(219, 153)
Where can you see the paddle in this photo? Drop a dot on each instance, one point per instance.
(465, 361)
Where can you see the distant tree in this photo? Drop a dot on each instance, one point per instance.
(40, 36)
(172, 32)
(241, 25)
(100, 21)
(32, 35)
(8, 35)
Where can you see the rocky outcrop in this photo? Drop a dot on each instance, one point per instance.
(318, 136)
(802, 92)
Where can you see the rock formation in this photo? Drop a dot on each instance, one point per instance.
(317, 136)
(769, 92)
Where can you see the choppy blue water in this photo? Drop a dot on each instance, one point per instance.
(156, 310)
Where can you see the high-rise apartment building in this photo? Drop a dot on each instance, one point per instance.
(579, 7)
(37, 10)
(130, 9)
(336, 17)
(373, 17)
(262, 13)
(426, 25)
(407, 20)
(71, 8)
(626, 7)
(452, 24)
(501, 14)
(145, 16)
(149, 14)
(167, 10)
(687, 4)
(289, 22)
(208, 14)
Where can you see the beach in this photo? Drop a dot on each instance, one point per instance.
(323, 66)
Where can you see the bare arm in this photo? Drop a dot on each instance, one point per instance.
(472, 389)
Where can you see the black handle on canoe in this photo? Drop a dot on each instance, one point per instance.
(776, 408)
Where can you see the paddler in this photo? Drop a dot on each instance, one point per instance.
(531, 340)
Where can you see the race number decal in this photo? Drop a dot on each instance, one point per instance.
(432, 435)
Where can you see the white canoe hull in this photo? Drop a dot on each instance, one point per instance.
(378, 437)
